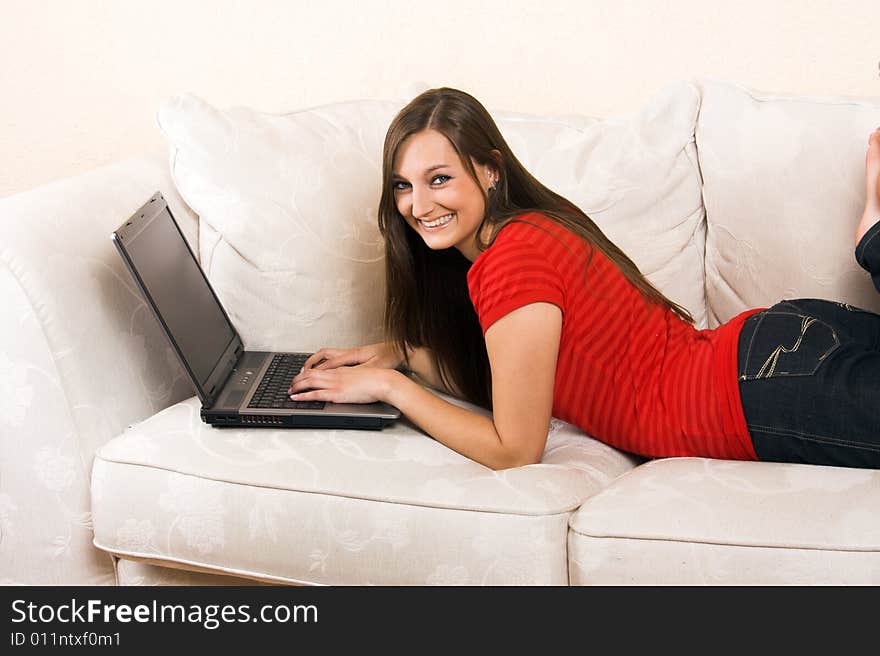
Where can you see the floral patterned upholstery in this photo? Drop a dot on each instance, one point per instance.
(101, 444)
(341, 507)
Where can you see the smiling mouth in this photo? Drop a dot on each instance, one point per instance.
(437, 223)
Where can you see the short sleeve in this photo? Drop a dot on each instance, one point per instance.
(513, 273)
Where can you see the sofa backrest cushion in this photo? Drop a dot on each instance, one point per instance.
(287, 207)
(288, 203)
(784, 191)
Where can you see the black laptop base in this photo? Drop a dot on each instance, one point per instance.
(223, 420)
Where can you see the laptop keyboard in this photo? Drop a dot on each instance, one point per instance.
(272, 390)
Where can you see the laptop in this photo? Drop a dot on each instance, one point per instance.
(236, 387)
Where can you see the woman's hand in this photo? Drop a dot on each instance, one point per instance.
(355, 375)
(342, 385)
(381, 355)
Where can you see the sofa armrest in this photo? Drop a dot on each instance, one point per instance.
(81, 358)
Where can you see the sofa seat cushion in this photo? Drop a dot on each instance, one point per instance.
(700, 521)
(340, 506)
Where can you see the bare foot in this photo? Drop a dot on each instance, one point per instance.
(872, 181)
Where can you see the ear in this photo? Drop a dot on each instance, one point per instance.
(497, 162)
(496, 156)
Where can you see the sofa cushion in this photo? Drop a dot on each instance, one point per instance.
(699, 521)
(784, 191)
(287, 207)
(288, 203)
(340, 506)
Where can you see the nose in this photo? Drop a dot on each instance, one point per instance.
(422, 204)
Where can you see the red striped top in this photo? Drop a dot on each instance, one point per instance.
(630, 373)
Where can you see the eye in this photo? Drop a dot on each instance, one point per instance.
(399, 185)
(437, 177)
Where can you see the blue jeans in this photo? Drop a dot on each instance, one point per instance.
(809, 377)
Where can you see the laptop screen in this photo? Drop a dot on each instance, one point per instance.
(180, 292)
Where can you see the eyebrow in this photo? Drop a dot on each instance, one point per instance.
(397, 176)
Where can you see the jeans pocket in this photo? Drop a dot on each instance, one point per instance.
(787, 344)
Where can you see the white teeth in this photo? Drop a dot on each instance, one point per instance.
(443, 220)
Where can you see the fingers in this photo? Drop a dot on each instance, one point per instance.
(310, 389)
(336, 386)
(316, 357)
(311, 379)
(335, 363)
(301, 382)
(332, 359)
(314, 395)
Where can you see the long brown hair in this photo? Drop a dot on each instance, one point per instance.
(427, 303)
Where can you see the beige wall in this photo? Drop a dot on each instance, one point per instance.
(81, 79)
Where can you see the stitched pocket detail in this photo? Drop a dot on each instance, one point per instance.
(853, 308)
(787, 344)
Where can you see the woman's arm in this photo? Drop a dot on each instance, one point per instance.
(523, 347)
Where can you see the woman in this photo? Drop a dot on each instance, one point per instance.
(504, 293)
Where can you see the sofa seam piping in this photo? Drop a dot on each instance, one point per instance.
(698, 84)
(121, 554)
(716, 543)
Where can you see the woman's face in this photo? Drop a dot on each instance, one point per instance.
(436, 195)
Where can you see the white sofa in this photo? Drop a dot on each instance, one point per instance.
(726, 198)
